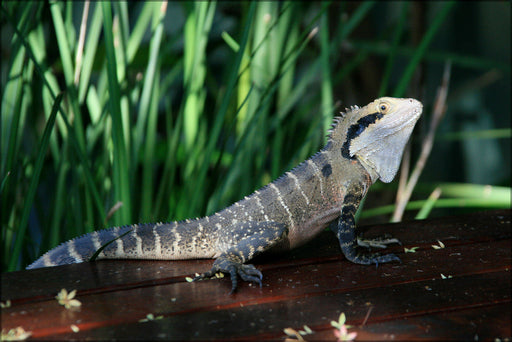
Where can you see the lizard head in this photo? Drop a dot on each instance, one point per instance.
(377, 133)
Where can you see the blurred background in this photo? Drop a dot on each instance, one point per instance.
(125, 112)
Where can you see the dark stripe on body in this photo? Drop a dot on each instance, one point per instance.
(107, 235)
(84, 247)
(168, 237)
(327, 170)
(148, 238)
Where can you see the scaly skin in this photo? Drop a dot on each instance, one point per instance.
(364, 145)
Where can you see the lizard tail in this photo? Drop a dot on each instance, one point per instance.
(81, 249)
(158, 241)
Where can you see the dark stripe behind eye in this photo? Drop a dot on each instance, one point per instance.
(356, 129)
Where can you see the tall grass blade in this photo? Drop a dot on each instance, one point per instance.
(91, 44)
(148, 93)
(2, 185)
(429, 205)
(120, 165)
(327, 101)
(62, 40)
(143, 21)
(197, 28)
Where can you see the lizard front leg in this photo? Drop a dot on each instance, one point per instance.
(351, 245)
(241, 242)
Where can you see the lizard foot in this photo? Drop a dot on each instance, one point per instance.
(377, 243)
(234, 269)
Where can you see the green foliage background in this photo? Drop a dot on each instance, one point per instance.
(179, 109)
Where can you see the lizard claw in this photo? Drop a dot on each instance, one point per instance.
(246, 272)
(234, 269)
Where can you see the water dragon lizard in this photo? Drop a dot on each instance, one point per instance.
(364, 144)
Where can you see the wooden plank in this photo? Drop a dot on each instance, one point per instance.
(309, 286)
(267, 320)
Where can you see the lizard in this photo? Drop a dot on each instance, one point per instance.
(364, 144)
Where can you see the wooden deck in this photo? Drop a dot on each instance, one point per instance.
(461, 291)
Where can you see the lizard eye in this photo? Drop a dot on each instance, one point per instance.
(383, 107)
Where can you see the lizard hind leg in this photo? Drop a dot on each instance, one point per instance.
(241, 242)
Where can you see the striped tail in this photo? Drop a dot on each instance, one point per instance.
(189, 239)
(80, 249)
